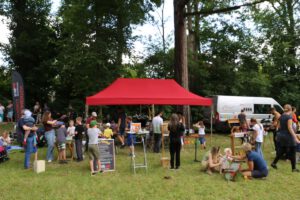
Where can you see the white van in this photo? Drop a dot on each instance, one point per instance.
(228, 107)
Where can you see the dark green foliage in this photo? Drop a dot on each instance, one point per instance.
(32, 48)
(93, 37)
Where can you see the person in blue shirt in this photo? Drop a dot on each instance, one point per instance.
(257, 166)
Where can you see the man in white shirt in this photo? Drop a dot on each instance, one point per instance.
(258, 136)
(157, 122)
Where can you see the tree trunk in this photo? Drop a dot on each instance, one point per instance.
(180, 65)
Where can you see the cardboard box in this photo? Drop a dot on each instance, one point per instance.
(39, 166)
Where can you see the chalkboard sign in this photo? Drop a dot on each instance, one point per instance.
(107, 154)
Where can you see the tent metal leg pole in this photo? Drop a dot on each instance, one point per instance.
(86, 112)
(196, 150)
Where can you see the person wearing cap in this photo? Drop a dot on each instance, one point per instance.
(286, 138)
(27, 125)
(93, 149)
(108, 133)
(88, 121)
(257, 166)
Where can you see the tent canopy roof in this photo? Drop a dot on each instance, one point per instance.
(125, 91)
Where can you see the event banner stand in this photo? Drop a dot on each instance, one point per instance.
(107, 154)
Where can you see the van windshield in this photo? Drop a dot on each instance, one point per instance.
(262, 108)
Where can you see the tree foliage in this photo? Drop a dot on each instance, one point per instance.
(32, 47)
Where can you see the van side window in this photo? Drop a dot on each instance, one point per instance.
(262, 108)
(278, 109)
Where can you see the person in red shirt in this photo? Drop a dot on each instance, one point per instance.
(92, 118)
(294, 110)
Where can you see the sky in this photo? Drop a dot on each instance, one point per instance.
(142, 32)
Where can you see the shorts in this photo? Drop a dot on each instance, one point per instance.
(259, 174)
(131, 139)
(202, 139)
(10, 114)
(122, 131)
(94, 152)
(34, 150)
(61, 146)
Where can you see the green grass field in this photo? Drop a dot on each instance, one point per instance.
(73, 181)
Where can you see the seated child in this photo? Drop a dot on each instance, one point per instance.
(226, 160)
(5, 140)
(3, 152)
(201, 132)
(108, 133)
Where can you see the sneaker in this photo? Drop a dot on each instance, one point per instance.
(49, 161)
(177, 168)
(295, 170)
(274, 166)
(172, 168)
(122, 146)
(93, 173)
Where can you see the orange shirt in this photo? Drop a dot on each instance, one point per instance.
(295, 118)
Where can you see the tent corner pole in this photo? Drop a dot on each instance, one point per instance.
(153, 111)
(86, 111)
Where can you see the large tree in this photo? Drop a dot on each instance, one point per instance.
(278, 23)
(180, 61)
(32, 48)
(93, 38)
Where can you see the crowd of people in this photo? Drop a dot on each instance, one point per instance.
(58, 132)
(6, 112)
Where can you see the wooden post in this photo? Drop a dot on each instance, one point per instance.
(232, 143)
(153, 111)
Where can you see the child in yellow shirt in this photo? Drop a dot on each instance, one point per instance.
(108, 133)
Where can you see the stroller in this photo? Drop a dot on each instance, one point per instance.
(3, 153)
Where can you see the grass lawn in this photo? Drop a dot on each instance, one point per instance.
(73, 181)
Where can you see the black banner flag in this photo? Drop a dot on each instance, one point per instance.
(18, 94)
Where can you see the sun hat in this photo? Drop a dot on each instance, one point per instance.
(27, 113)
(93, 123)
(94, 114)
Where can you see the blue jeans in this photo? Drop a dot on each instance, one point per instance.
(258, 148)
(50, 137)
(28, 151)
(157, 142)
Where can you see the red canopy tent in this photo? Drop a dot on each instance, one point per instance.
(125, 91)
